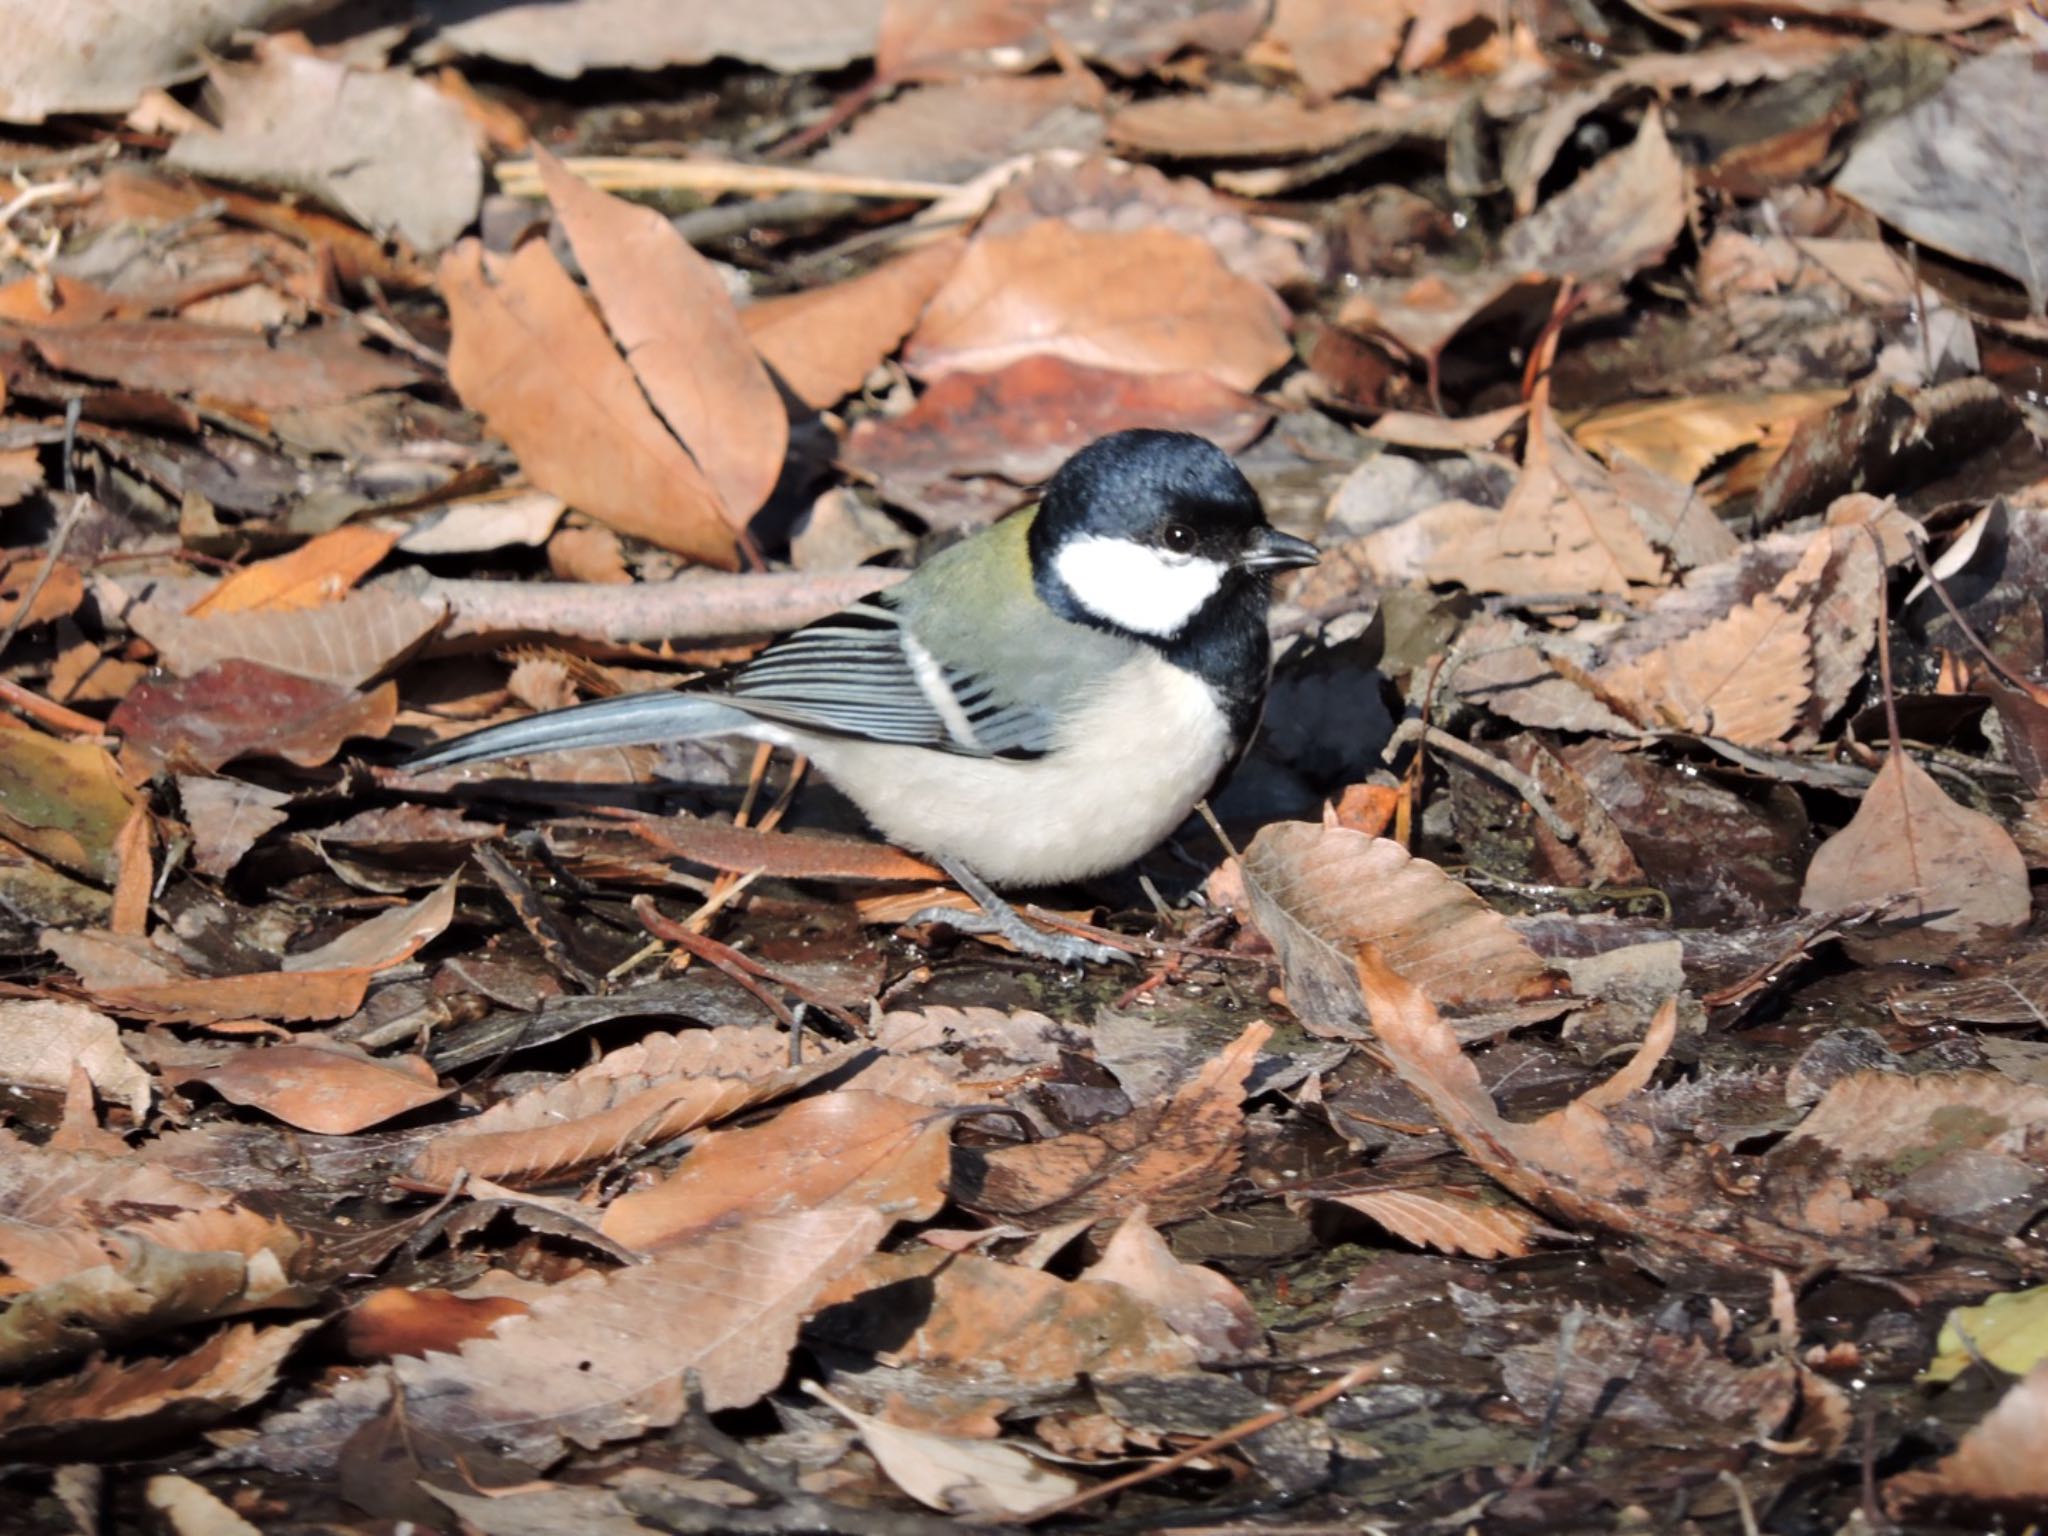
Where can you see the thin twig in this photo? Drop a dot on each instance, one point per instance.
(714, 178)
(1520, 782)
(65, 524)
(736, 965)
(1327, 1393)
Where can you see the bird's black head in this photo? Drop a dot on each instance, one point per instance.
(1157, 535)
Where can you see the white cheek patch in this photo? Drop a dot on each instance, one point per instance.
(1146, 591)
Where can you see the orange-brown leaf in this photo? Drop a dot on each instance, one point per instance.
(1143, 300)
(670, 314)
(825, 341)
(317, 572)
(529, 354)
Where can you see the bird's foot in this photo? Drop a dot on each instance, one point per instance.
(1001, 920)
(1008, 924)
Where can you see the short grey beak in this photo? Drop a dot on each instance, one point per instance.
(1269, 549)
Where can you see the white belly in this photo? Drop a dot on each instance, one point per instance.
(1133, 759)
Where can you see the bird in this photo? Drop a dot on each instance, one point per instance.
(1040, 703)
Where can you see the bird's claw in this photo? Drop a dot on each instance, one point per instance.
(1066, 949)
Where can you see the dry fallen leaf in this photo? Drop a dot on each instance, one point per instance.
(236, 709)
(974, 1478)
(111, 1404)
(346, 643)
(43, 1042)
(381, 146)
(1145, 301)
(1174, 1156)
(532, 358)
(603, 1357)
(218, 362)
(100, 55)
(848, 1148)
(640, 1094)
(669, 312)
(2000, 1468)
(823, 342)
(1320, 894)
(318, 571)
(1199, 1304)
(324, 1089)
(1952, 876)
(1447, 1219)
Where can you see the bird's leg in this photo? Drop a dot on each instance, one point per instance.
(999, 918)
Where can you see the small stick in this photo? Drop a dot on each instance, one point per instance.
(735, 964)
(62, 536)
(1326, 1393)
(1486, 763)
(49, 713)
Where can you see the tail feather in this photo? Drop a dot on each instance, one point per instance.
(634, 719)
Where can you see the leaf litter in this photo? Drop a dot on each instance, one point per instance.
(1603, 1067)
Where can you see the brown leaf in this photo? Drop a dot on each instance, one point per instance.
(1199, 1304)
(2000, 1468)
(565, 39)
(1175, 1156)
(395, 1321)
(379, 145)
(1023, 420)
(244, 709)
(1145, 301)
(42, 1042)
(641, 1094)
(63, 589)
(1448, 1219)
(1743, 678)
(217, 362)
(1230, 123)
(1680, 1388)
(997, 1331)
(65, 801)
(604, 1357)
(955, 131)
(849, 1148)
(670, 314)
(87, 58)
(1944, 171)
(1953, 875)
(1339, 45)
(325, 983)
(318, 571)
(347, 643)
(823, 342)
(529, 354)
(114, 1405)
(785, 855)
(1321, 894)
(324, 1089)
(1590, 1164)
(1564, 528)
(226, 818)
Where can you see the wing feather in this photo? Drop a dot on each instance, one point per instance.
(859, 672)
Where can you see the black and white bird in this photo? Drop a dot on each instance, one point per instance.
(1042, 702)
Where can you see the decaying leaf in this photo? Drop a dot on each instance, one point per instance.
(383, 147)
(347, 643)
(1175, 1156)
(1944, 171)
(1953, 876)
(43, 1043)
(638, 1095)
(823, 342)
(945, 1472)
(850, 1148)
(240, 708)
(1321, 894)
(604, 1357)
(2000, 1468)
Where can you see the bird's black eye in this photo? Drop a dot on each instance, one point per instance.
(1178, 537)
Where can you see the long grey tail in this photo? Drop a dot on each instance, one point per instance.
(633, 719)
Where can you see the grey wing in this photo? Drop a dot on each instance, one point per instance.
(860, 672)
